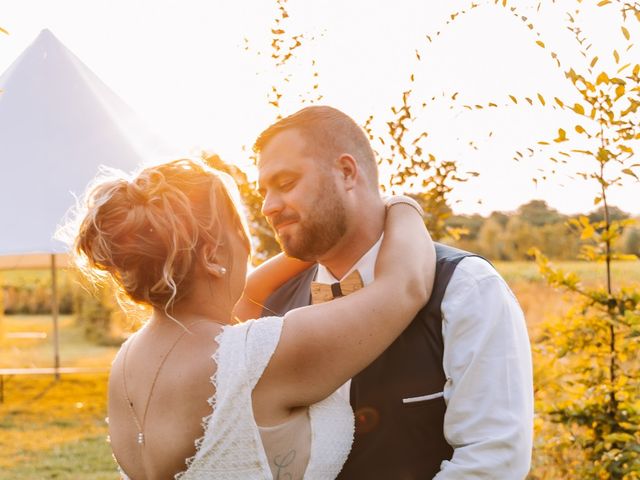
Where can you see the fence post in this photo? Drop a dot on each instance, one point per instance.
(54, 313)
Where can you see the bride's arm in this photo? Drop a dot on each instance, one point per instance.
(263, 281)
(324, 345)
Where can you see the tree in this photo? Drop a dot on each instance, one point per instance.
(538, 213)
(631, 240)
(592, 349)
(614, 213)
(491, 240)
(396, 140)
(519, 237)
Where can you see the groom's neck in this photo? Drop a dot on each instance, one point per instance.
(360, 237)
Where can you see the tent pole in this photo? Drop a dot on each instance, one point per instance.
(54, 313)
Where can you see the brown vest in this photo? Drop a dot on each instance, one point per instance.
(394, 439)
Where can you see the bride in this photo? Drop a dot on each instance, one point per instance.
(195, 394)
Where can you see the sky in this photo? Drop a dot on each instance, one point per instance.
(199, 72)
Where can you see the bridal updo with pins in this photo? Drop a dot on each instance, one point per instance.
(146, 233)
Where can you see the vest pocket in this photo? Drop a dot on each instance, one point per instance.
(422, 398)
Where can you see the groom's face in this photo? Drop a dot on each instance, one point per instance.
(302, 201)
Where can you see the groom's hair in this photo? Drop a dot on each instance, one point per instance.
(328, 132)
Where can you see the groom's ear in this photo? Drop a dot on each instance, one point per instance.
(348, 170)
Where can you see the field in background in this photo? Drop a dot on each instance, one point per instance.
(52, 430)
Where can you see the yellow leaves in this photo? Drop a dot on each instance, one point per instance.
(603, 3)
(626, 257)
(629, 150)
(602, 78)
(457, 233)
(579, 109)
(631, 173)
(593, 62)
(562, 136)
(513, 99)
(619, 437)
(625, 32)
(541, 98)
(582, 223)
(623, 67)
(636, 69)
(587, 233)
(580, 129)
(4, 31)
(616, 56)
(540, 43)
(559, 102)
(603, 155)
(619, 91)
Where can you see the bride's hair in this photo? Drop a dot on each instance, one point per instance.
(147, 233)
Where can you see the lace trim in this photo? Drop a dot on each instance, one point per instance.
(206, 420)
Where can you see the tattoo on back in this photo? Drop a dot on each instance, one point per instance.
(282, 462)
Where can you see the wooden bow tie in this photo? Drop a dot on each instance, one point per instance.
(322, 292)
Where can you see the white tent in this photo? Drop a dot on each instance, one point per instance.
(58, 123)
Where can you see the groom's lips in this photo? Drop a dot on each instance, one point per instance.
(282, 225)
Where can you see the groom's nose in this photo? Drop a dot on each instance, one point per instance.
(272, 205)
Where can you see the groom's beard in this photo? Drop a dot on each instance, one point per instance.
(321, 230)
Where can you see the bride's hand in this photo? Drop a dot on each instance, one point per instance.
(407, 248)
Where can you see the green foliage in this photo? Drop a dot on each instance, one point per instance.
(264, 239)
(538, 213)
(509, 236)
(587, 372)
(596, 373)
(94, 314)
(31, 295)
(414, 171)
(399, 145)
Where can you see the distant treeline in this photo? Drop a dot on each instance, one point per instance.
(508, 236)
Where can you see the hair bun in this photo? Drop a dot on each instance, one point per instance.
(136, 195)
(150, 252)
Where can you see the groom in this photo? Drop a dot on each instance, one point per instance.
(452, 397)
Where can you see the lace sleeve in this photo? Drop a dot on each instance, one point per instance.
(262, 339)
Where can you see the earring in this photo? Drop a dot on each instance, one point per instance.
(222, 271)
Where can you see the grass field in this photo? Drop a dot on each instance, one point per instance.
(57, 430)
(49, 429)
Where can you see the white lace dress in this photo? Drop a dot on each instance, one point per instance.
(231, 447)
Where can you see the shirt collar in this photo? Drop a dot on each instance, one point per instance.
(365, 265)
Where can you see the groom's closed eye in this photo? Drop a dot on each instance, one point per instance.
(286, 185)
(280, 182)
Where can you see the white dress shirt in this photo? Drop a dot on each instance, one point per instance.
(487, 362)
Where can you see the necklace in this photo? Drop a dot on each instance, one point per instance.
(139, 424)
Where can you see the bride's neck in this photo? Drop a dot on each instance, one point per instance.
(205, 301)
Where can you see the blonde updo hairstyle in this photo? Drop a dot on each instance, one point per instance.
(148, 233)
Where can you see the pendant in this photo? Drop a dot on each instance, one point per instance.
(140, 438)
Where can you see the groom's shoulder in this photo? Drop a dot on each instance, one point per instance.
(469, 265)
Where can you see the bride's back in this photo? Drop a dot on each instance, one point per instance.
(171, 239)
(176, 406)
